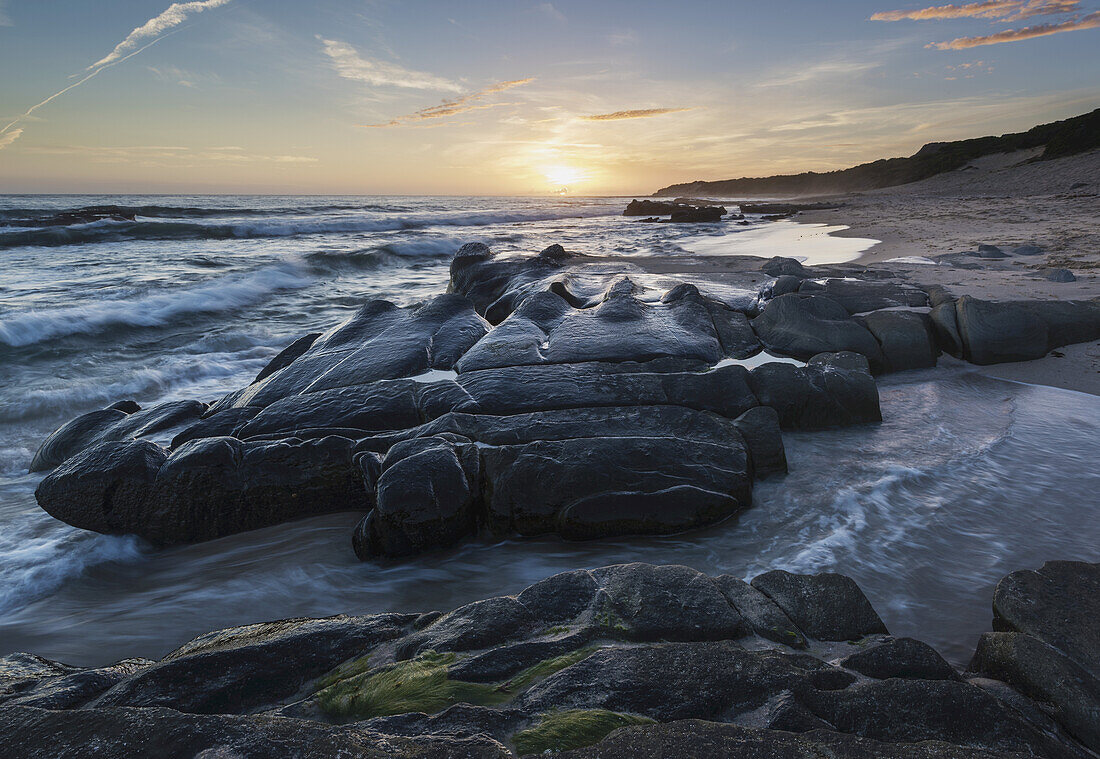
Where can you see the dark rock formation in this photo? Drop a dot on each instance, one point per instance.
(1059, 275)
(206, 489)
(624, 661)
(706, 214)
(1027, 250)
(907, 339)
(438, 427)
(652, 208)
(123, 421)
(993, 332)
(803, 326)
(859, 296)
(1048, 644)
(989, 251)
(780, 266)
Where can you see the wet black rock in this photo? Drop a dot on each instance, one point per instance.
(995, 332)
(546, 329)
(1048, 644)
(900, 657)
(621, 661)
(832, 392)
(28, 680)
(1027, 250)
(287, 355)
(907, 339)
(860, 296)
(123, 421)
(427, 492)
(990, 251)
(780, 266)
(651, 208)
(208, 488)
(824, 606)
(104, 488)
(381, 341)
(803, 326)
(1059, 275)
(706, 214)
(759, 427)
(701, 739)
(236, 670)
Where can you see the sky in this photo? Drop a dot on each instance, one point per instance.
(484, 97)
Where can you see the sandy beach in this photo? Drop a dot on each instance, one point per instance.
(1004, 201)
(926, 226)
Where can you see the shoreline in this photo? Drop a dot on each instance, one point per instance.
(1003, 202)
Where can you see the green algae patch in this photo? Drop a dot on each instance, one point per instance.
(575, 728)
(344, 671)
(420, 684)
(547, 667)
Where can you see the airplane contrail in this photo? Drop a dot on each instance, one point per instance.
(160, 25)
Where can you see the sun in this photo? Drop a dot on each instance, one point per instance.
(561, 175)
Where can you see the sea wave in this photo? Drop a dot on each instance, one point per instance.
(170, 377)
(40, 217)
(36, 560)
(216, 296)
(388, 254)
(113, 230)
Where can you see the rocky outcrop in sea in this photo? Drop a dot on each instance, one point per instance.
(549, 394)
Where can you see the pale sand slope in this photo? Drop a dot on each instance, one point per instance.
(1052, 204)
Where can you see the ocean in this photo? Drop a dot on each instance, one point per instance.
(967, 478)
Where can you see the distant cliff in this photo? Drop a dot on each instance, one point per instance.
(1060, 138)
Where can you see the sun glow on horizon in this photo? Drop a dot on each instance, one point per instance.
(564, 176)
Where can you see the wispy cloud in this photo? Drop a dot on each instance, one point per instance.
(1003, 10)
(349, 64)
(549, 10)
(173, 16)
(10, 137)
(182, 77)
(170, 155)
(642, 113)
(5, 20)
(987, 9)
(1091, 21)
(622, 38)
(818, 71)
(454, 106)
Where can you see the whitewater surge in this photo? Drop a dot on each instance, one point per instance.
(151, 310)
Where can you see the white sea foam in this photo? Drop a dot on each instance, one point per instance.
(35, 561)
(223, 294)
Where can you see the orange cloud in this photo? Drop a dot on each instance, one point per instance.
(644, 113)
(987, 9)
(1091, 21)
(1003, 10)
(455, 105)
